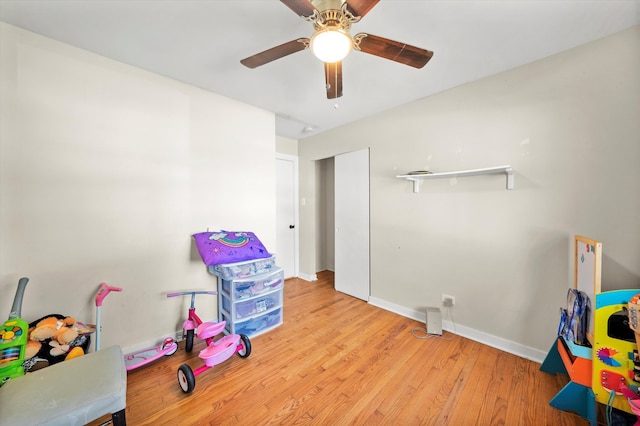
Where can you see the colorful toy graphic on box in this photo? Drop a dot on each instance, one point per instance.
(615, 350)
(633, 395)
(634, 324)
(221, 247)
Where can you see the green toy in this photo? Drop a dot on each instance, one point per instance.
(13, 338)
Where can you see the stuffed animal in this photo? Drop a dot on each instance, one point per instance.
(44, 329)
(32, 349)
(54, 328)
(32, 361)
(57, 349)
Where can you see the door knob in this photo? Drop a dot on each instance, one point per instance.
(291, 226)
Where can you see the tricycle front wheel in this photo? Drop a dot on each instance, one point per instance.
(245, 351)
(186, 378)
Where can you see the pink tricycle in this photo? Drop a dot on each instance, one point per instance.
(216, 351)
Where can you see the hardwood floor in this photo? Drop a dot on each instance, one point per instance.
(337, 360)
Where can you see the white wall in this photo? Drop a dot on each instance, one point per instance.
(106, 172)
(568, 124)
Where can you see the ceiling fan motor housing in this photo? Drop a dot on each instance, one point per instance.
(332, 14)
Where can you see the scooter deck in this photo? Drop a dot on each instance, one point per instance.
(145, 356)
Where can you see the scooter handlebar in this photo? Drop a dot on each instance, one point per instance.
(103, 291)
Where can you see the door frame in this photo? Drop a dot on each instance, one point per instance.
(296, 230)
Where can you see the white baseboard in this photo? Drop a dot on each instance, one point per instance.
(470, 333)
(309, 278)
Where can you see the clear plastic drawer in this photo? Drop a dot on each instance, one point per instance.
(248, 268)
(254, 326)
(245, 288)
(254, 306)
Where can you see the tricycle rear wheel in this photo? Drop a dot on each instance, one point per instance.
(246, 346)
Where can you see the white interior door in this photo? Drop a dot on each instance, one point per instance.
(286, 214)
(352, 223)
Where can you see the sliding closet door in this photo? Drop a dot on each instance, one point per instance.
(352, 223)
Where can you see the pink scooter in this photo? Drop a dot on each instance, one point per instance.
(215, 352)
(137, 359)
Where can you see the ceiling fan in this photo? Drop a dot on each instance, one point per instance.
(331, 41)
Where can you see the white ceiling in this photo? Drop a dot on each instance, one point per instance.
(201, 42)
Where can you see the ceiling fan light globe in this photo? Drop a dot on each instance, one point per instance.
(331, 45)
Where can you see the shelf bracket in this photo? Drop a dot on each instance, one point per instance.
(510, 177)
(416, 185)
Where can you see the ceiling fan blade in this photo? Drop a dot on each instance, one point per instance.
(393, 50)
(301, 7)
(333, 79)
(274, 53)
(360, 7)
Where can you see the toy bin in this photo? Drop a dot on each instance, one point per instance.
(256, 325)
(249, 287)
(248, 268)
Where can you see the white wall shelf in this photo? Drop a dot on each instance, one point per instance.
(419, 177)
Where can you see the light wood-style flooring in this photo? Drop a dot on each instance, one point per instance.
(337, 360)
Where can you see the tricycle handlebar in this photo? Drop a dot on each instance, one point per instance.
(193, 293)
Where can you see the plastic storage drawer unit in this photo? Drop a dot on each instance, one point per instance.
(250, 296)
(249, 287)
